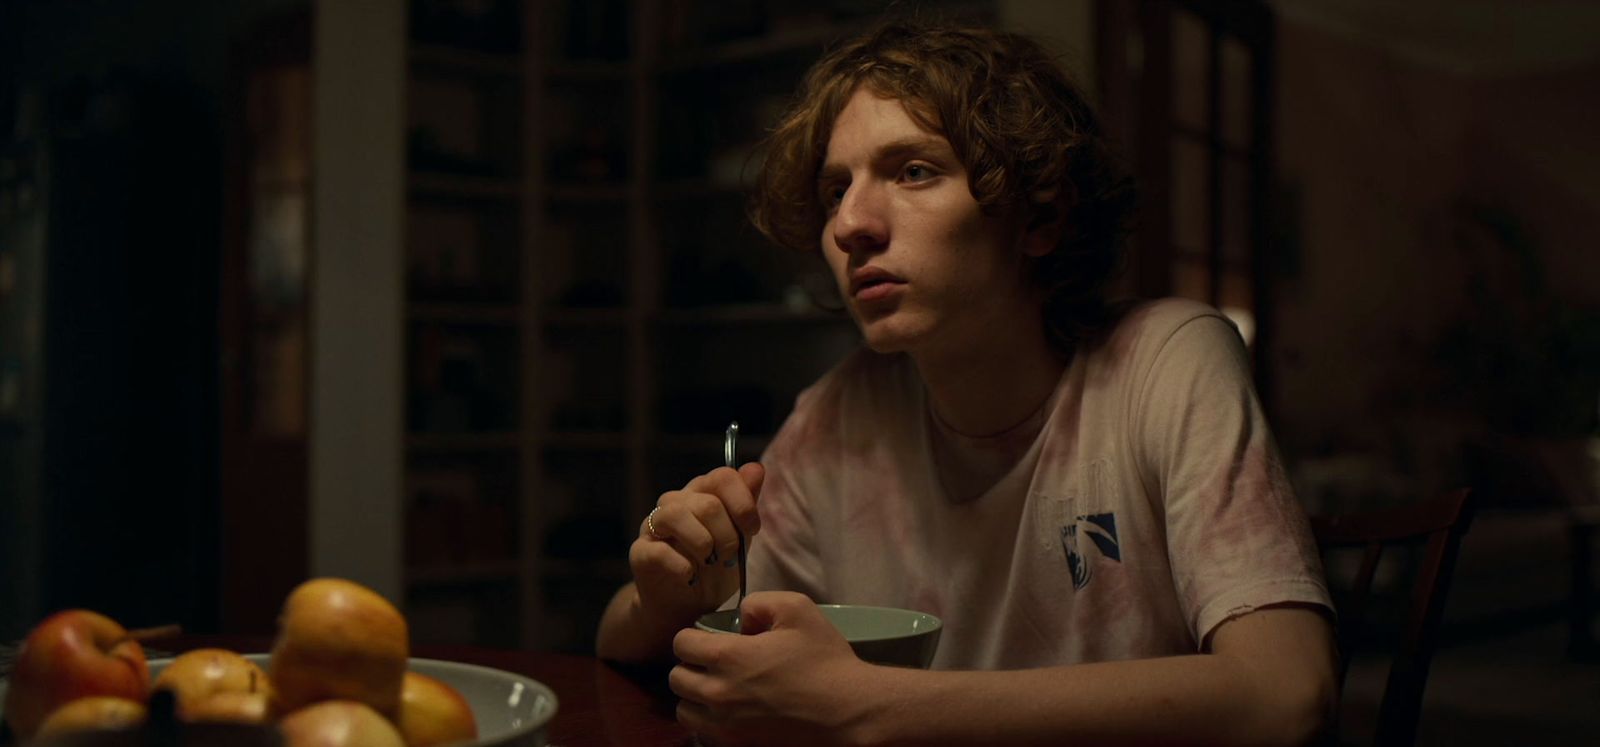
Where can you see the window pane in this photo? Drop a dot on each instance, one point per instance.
(1236, 94)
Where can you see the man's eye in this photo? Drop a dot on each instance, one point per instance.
(832, 196)
(917, 172)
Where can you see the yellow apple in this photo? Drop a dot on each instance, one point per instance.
(433, 713)
(199, 674)
(338, 640)
(338, 723)
(72, 654)
(96, 712)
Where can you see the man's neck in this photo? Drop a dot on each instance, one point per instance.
(990, 388)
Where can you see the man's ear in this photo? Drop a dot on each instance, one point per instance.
(1046, 221)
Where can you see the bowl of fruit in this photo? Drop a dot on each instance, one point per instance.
(339, 673)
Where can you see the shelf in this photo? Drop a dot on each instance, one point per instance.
(448, 442)
(588, 73)
(464, 187)
(596, 317)
(464, 313)
(588, 192)
(697, 189)
(441, 58)
(749, 314)
(465, 574)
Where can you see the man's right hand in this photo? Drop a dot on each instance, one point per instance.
(685, 560)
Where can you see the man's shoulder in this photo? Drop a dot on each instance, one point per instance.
(1140, 329)
(1161, 316)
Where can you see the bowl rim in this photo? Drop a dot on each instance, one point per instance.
(938, 623)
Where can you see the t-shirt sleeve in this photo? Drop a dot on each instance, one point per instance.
(1237, 540)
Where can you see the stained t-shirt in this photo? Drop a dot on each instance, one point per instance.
(1147, 508)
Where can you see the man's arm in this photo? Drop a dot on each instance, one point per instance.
(627, 634)
(1269, 679)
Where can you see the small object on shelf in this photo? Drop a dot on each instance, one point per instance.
(454, 386)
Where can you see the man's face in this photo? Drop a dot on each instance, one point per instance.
(921, 267)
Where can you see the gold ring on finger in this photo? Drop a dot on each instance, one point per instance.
(650, 524)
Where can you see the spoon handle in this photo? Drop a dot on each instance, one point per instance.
(729, 442)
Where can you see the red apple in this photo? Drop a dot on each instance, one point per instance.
(229, 707)
(433, 713)
(338, 640)
(95, 712)
(73, 654)
(202, 673)
(338, 723)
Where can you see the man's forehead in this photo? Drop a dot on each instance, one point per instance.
(884, 137)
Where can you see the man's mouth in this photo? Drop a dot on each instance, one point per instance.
(869, 283)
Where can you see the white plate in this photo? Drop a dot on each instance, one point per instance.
(511, 710)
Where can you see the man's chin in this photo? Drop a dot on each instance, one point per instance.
(882, 337)
(883, 348)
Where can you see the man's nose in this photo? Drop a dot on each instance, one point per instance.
(861, 220)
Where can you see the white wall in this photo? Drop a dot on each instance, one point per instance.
(356, 296)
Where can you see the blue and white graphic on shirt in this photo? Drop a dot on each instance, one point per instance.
(1101, 529)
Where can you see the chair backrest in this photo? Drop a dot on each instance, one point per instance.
(1439, 525)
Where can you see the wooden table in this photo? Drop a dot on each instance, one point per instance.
(600, 705)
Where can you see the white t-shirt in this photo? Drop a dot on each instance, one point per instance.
(1149, 507)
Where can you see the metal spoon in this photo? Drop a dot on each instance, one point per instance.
(729, 440)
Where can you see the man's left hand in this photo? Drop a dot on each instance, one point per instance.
(790, 679)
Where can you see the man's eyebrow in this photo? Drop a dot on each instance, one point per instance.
(932, 145)
(914, 144)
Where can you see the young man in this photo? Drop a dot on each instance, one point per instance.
(1087, 495)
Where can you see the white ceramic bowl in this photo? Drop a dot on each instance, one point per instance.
(881, 635)
(511, 710)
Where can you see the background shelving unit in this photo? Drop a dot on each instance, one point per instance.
(466, 492)
(640, 312)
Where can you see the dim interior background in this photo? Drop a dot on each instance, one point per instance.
(440, 295)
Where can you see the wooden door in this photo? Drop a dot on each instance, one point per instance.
(265, 277)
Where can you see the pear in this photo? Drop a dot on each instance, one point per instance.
(338, 640)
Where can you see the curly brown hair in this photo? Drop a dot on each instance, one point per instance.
(1020, 126)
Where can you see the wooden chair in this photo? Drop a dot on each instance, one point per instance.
(1437, 525)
